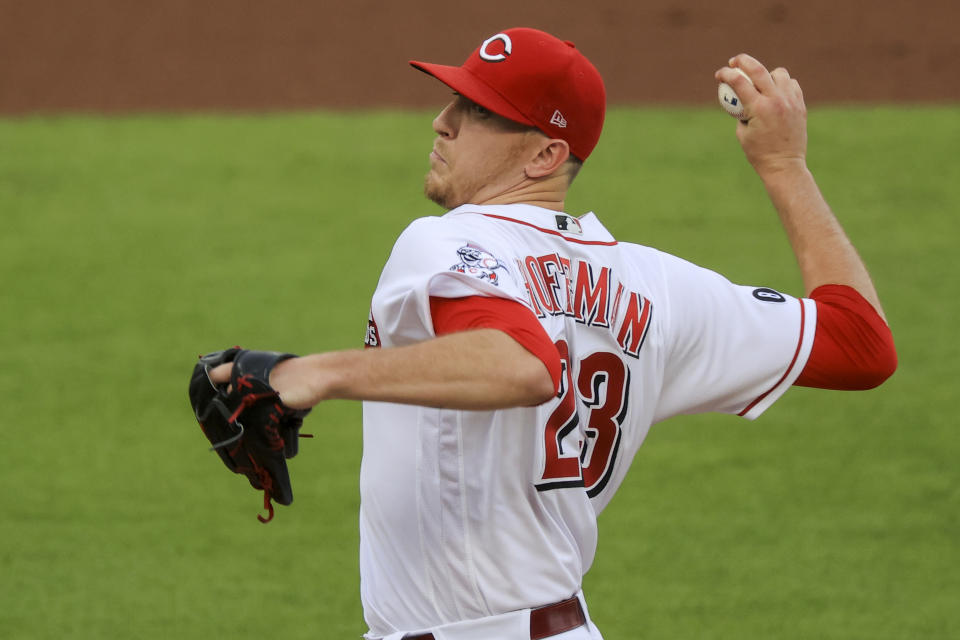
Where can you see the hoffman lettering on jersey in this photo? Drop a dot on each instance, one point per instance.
(578, 289)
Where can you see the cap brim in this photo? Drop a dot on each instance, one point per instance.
(470, 86)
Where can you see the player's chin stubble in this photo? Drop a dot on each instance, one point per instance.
(438, 191)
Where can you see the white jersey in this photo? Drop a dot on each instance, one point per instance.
(467, 514)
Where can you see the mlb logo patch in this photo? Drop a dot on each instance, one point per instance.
(568, 224)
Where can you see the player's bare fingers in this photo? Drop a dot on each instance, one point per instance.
(796, 89)
(781, 77)
(742, 84)
(789, 88)
(755, 70)
(221, 374)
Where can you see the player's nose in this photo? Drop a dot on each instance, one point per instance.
(443, 124)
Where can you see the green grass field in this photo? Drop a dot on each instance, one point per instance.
(130, 245)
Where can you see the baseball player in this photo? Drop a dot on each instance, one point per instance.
(517, 355)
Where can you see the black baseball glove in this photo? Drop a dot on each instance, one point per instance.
(246, 423)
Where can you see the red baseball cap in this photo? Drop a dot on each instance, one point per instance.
(534, 78)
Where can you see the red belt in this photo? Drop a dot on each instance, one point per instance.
(545, 621)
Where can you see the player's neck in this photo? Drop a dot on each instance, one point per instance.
(546, 194)
(553, 205)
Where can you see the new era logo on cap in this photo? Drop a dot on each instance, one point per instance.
(533, 78)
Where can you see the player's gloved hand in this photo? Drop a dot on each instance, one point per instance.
(247, 424)
(292, 378)
(774, 136)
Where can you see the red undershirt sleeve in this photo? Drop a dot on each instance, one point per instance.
(853, 347)
(478, 312)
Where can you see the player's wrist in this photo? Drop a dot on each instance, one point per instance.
(300, 381)
(782, 168)
(786, 178)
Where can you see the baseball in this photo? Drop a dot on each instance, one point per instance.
(729, 99)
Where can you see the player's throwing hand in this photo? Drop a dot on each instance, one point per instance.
(774, 133)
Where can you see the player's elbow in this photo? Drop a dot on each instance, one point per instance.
(883, 366)
(857, 372)
(876, 365)
(534, 371)
(542, 378)
(534, 384)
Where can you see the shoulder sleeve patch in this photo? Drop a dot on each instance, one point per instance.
(479, 263)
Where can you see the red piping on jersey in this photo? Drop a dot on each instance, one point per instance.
(551, 231)
(796, 354)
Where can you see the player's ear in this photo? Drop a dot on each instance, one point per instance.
(553, 152)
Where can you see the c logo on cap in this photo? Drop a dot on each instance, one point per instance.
(497, 57)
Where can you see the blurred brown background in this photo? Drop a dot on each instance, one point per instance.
(130, 55)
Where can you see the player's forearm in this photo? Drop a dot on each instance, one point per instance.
(822, 249)
(472, 370)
